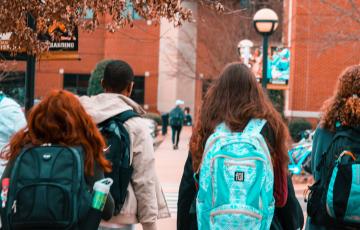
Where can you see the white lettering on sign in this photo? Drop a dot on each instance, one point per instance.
(62, 45)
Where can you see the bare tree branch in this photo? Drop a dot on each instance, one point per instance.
(14, 14)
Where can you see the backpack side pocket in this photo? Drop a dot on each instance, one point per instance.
(315, 203)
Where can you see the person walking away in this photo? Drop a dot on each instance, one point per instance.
(333, 201)
(242, 168)
(176, 122)
(144, 201)
(165, 123)
(188, 118)
(12, 119)
(57, 156)
(288, 217)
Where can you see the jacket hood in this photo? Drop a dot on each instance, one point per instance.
(11, 120)
(106, 105)
(8, 104)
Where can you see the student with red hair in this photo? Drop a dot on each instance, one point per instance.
(60, 119)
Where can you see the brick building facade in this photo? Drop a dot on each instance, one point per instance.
(169, 63)
(323, 37)
(139, 46)
(177, 63)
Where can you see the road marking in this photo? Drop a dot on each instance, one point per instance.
(172, 199)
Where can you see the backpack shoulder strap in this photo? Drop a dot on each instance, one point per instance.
(254, 126)
(325, 155)
(126, 115)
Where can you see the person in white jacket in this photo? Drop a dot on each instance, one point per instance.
(145, 202)
(12, 119)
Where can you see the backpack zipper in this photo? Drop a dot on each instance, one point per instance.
(229, 211)
(249, 164)
(13, 207)
(227, 157)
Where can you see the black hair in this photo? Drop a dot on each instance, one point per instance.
(118, 75)
(187, 109)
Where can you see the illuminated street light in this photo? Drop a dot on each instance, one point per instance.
(266, 22)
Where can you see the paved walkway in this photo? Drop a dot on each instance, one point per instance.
(169, 166)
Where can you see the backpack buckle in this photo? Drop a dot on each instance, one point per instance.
(347, 153)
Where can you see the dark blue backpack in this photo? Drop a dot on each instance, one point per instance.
(118, 153)
(176, 117)
(47, 189)
(334, 199)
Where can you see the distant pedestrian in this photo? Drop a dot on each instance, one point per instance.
(188, 118)
(176, 122)
(242, 168)
(165, 123)
(12, 119)
(333, 202)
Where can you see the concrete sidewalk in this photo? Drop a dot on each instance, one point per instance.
(169, 168)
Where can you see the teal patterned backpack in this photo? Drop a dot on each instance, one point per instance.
(236, 180)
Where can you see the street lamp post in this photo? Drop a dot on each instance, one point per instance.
(30, 72)
(266, 22)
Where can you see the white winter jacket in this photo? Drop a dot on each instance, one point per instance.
(11, 120)
(145, 202)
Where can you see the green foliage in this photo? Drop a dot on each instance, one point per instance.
(278, 100)
(154, 116)
(297, 127)
(95, 78)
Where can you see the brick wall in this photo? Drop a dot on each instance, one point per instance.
(318, 54)
(139, 46)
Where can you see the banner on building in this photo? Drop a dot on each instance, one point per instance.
(58, 35)
(278, 68)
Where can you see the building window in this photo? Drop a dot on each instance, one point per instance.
(129, 10)
(262, 4)
(244, 4)
(13, 85)
(89, 14)
(76, 83)
(138, 94)
(206, 83)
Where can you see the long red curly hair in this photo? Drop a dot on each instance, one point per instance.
(60, 119)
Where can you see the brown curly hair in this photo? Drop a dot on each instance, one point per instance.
(344, 105)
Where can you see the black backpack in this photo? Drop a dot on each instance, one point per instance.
(47, 189)
(118, 153)
(176, 117)
(337, 167)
